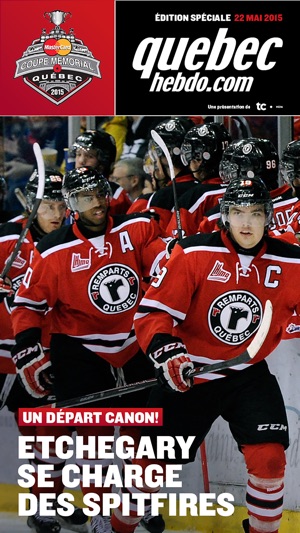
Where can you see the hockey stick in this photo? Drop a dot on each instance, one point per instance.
(161, 143)
(245, 357)
(20, 197)
(38, 199)
(6, 388)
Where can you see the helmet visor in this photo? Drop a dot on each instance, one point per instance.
(87, 199)
(246, 215)
(193, 152)
(288, 172)
(49, 209)
(224, 170)
(232, 171)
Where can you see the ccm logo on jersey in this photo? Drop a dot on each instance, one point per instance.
(23, 353)
(167, 348)
(274, 427)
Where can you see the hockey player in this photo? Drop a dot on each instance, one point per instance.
(201, 152)
(172, 131)
(255, 157)
(50, 216)
(97, 149)
(89, 273)
(222, 281)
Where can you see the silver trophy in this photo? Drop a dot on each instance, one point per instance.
(57, 17)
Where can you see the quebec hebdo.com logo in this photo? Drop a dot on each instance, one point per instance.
(156, 56)
(57, 65)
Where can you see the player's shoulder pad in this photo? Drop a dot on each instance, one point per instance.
(213, 210)
(57, 237)
(202, 239)
(114, 186)
(119, 220)
(196, 192)
(282, 248)
(144, 196)
(281, 195)
(163, 198)
(10, 228)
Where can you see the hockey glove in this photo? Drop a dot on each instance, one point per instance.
(34, 369)
(6, 288)
(169, 247)
(170, 359)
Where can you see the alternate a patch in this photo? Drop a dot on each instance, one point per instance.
(57, 64)
(114, 289)
(235, 316)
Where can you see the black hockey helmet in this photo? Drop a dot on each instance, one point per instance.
(172, 131)
(224, 166)
(52, 190)
(255, 157)
(83, 179)
(246, 192)
(102, 143)
(289, 165)
(206, 143)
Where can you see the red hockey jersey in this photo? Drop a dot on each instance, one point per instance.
(213, 298)
(283, 205)
(92, 284)
(194, 204)
(9, 235)
(162, 200)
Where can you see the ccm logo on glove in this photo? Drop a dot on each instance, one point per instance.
(171, 362)
(34, 369)
(26, 351)
(168, 348)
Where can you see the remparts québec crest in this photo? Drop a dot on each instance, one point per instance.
(57, 65)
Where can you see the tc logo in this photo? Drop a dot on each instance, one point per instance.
(261, 107)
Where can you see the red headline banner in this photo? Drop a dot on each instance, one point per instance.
(91, 417)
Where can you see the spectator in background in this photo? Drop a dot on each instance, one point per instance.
(129, 174)
(19, 161)
(149, 184)
(138, 134)
(140, 202)
(117, 127)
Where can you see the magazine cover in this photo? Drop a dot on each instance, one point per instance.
(149, 317)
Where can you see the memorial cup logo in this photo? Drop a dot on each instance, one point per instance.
(114, 289)
(235, 316)
(57, 64)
